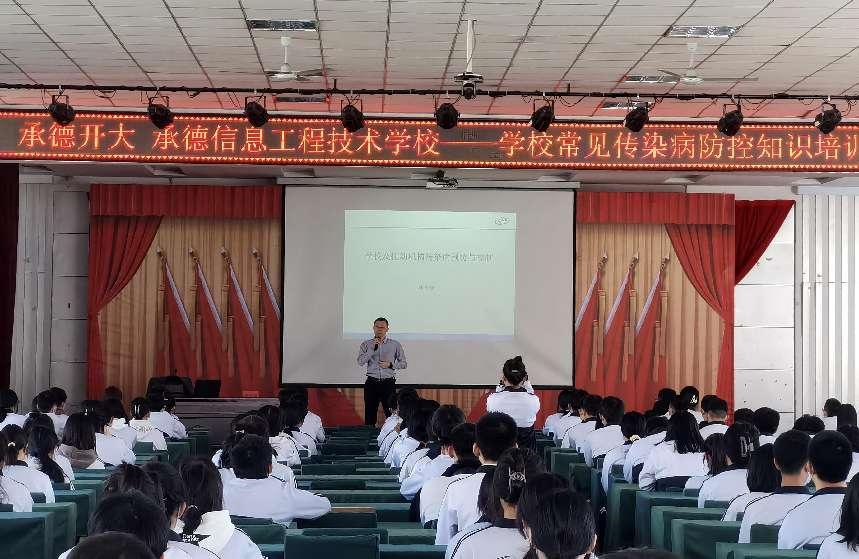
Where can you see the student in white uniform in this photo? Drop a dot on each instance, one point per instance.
(45, 403)
(12, 492)
(255, 493)
(557, 523)
(420, 431)
(829, 459)
(571, 418)
(250, 424)
(608, 436)
(516, 400)
(844, 543)
(740, 440)
(406, 444)
(58, 415)
(140, 422)
(852, 434)
(497, 535)
(460, 451)
(42, 446)
(689, 399)
(809, 424)
(639, 450)
(767, 421)
(715, 417)
(160, 404)
(293, 415)
(633, 427)
(681, 456)
(119, 427)
(847, 415)
(78, 444)
(830, 414)
(662, 404)
(407, 399)
(205, 522)
(15, 466)
(790, 457)
(588, 413)
(438, 457)
(715, 458)
(51, 447)
(312, 424)
(392, 421)
(282, 443)
(565, 398)
(112, 450)
(762, 479)
(494, 433)
(8, 409)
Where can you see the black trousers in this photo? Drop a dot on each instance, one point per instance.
(376, 392)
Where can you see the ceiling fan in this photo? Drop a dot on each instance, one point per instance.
(286, 73)
(691, 77)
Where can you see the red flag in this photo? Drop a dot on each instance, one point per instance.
(244, 355)
(650, 365)
(214, 355)
(270, 313)
(182, 361)
(586, 332)
(616, 357)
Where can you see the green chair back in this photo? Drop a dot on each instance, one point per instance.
(38, 497)
(27, 535)
(341, 520)
(249, 521)
(381, 532)
(764, 533)
(328, 484)
(272, 533)
(333, 547)
(329, 469)
(144, 448)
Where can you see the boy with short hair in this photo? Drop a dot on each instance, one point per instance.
(460, 450)
(715, 416)
(767, 421)
(588, 414)
(600, 441)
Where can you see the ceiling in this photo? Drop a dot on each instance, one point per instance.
(792, 46)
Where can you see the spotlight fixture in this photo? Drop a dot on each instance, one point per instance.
(636, 119)
(160, 113)
(255, 111)
(731, 121)
(828, 119)
(60, 110)
(352, 118)
(446, 116)
(543, 117)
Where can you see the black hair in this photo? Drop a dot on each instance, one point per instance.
(444, 419)
(171, 484)
(762, 475)
(656, 424)
(41, 442)
(576, 401)
(515, 467)
(169, 402)
(633, 424)
(565, 400)
(114, 409)
(112, 392)
(849, 527)
(494, 433)
(128, 477)
(830, 455)
(419, 428)
(139, 408)
(830, 408)
(392, 401)
(44, 401)
(810, 424)
(132, 513)
(60, 395)
(741, 439)
(846, 415)
(666, 395)
(852, 434)
(251, 457)
(689, 397)
(293, 414)
(16, 441)
(205, 491)
(591, 404)
(111, 545)
(642, 553)
(561, 523)
(79, 432)
(746, 415)
(94, 412)
(273, 416)
(293, 392)
(683, 430)
(462, 441)
(790, 451)
(707, 402)
(406, 404)
(514, 371)
(715, 455)
(8, 402)
(718, 407)
(660, 408)
(156, 400)
(36, 419)
(381, 319)
(611, 409)
(245, 424)
(766, 420)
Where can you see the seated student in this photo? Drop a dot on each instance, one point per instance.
(657, 425)
(689, 399)
(42, 446)
(716, 459)
(515, 400)
(111, 545)
(294, 412)
(681, 456)
(847, 415)
(312, 424)
(119, 426)
(283, 444)
(809, 424)
(830, 414)
(78, 444)
(249, 424)
(852, 434)
(494, 433)
(112, 392)
(714, 418)
(740, 440)
(497, 534)
(420, 431)
(405, 443)
(407, 399)
(706, 402)
(746, 415)
(829, 458)
(112, 450)
(43, 422)
(762, 479)
(766, 420)
(15, 466)
(571, 418)
(58, 415)
(565, 398)
(436, 460)
(392, 421)
(844, 542)
(461, 451)
(588, 413)
(790, 456)
(632, 427)
(662, 404)
(254, 493)
(13, 492)
(608, 436)
(8, 407)
(159, 415)
(143, 426)
(45, 403)
(205, 522)
(557, 524)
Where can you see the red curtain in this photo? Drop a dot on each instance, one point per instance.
(757, 223)
(187, 201)
(654, 207)
(706, 253)
(650, 365)
(615, 350)
(8, 263)
(333, 407)
(117, 246)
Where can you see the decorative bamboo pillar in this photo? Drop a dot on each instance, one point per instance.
(259, 331)
(228, 331)
(196, 332)
(629, 323)
(163, 324)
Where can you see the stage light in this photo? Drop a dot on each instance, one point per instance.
(160, 113)
(730, 123)
(543, 117)
(636, 119)
(352, 118)
(255, 111)
(60, 110)
(828, 119)
(446, 116)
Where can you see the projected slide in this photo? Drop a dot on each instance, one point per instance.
(442, 274)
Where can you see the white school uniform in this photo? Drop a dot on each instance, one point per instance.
(420, 477)
(766, 439)
(638, 451)
(400, 451)
(498, 540)
(724, 486)
(13, 419)
(834, 547)
(272, 498)
(168, 424)
(286, 449)
(409, 462)
(113, 450)
(303, 440)
(34, 480)
(696, 482)
(518, 404)
(181, 550)
(390, 440)
(278, 470)
(712, 429)
(312, 425)
(830, 423)
(578, 432)
(432, 494)
(598, 442)
(388, 426)
(614, 456)
(699, 417)
(664, 461)
(565, 423)
(62, 462)
(812, 521)
(551, 423)
(739, 503)
(59, 420)
(217, 534)
(458, 508)
(148, 433)
(119, 428)
(16, 494)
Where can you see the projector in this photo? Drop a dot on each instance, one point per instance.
(439, 181)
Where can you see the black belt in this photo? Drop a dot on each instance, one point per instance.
(374, 379)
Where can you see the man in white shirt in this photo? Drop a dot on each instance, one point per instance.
(494, 433)
(588, 413)
(829, 458)
(600, 441)
(715, 415)
(767, 421)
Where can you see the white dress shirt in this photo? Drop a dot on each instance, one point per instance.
(830, 423)
(433, 493)
(664, 461)
(400, 451)
(217, 534)
(518, 404)
(578, 432)
(62, 462)
(31, 478)
(458, 508)
(614, 456)
(712, 429)
(59, 420)
(598, 442)
(812, 521)
(498, 540)
(388, 426)
(724, 486)
(16, 494)
(312, 425)
(551, 422)
(638, 451)
(303, 440)
(113, 450)
(148, 433)
(272, 498)
(833, 547)
(286, 449)
(13, 419)
(388, 442)
(564, 424)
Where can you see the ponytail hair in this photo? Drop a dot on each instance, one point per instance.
(15, 443)
(515, 467)
(246, 424)
(514, 371)
(8, 402)
(139, 408)
(204, 491)
(41, 443)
